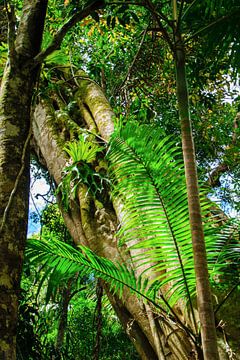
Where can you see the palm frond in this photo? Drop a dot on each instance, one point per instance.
(218, 23)
(149, 178)
(64, 261)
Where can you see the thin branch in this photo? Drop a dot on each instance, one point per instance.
(209, 26)
(158, 17)
(134, 60)
(150, 6)
(214, 176)
(180, 16)
(236, 123)
(77, 291)
(35, 206)
(126, 3)
(59, 36)
(189, 8)
(44, 198)
(226, 297)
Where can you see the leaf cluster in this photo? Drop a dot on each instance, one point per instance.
(81, 171)
(148, 176)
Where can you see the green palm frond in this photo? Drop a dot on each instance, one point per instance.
(149, 178)
(218, 22)
(64, 261)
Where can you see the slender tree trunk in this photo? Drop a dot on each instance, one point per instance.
(15, 103)
(204, 296)
(63, 320)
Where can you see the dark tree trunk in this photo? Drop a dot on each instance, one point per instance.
(63, 320)
(15, 106)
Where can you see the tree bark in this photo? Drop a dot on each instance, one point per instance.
(16, 93)
(63, 317)
(94, 225)
(204, 295)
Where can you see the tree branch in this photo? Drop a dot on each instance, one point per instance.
(134, 60)
(59, 36)
(214, 177)
(189, 8)
(158, 17)
(76, 291)
(10, 11)
(180, 15)
(226, 297)
(209, 26)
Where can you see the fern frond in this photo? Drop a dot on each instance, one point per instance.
(64, 261)
(82, 150)
(149, 178)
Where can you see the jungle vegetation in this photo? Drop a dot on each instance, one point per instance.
(131, 111)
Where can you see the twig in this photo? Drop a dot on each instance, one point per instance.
(209, 26)
(189, 8)
(126, 3)
(226, 297)
(134, 60)
(150, 6)
(35, 206)
(158, 17)
(77, 291)
(214, 176)
(59, 36)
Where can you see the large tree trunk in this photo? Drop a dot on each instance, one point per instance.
(93, 224)
(15, 104)
(90, 223)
